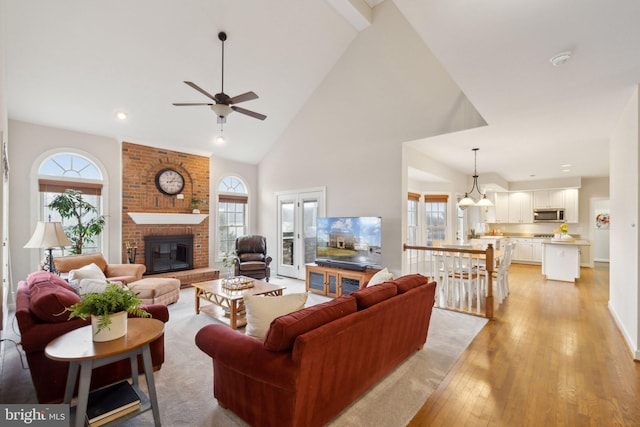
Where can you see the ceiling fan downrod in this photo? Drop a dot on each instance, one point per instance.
(222, 36)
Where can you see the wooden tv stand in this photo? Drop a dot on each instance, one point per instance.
(333, 281)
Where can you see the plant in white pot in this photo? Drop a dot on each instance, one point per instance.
(108, 310)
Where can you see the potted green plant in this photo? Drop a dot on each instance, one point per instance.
(70, 204)
(108, 310)
(195, 204)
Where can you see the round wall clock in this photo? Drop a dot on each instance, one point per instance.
(169, 181)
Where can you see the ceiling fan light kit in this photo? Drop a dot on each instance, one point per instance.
(223, 104)
(467, 201)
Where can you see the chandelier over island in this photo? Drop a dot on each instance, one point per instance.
(482, 199)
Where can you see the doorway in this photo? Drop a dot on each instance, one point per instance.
(600, 229)
(298, 212)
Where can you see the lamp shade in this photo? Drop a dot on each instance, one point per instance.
(484, 201)
(48, 235)
(466, 202)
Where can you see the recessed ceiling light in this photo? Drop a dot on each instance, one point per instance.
(560, 58)
(121, 115)
(566, 170)
(566, 166)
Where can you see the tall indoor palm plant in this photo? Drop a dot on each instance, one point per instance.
(88, 225)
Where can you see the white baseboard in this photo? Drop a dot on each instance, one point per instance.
(634, 351)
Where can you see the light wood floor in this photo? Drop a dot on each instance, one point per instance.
(552, 357)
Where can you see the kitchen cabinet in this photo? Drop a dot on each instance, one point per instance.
(520, 207)
(571, 205)
(527, 250)
(502, 208)
(548, 199)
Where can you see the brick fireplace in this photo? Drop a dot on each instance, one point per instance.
(140, 195)
(163, 254)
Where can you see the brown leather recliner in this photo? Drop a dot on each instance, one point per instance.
(251, 257)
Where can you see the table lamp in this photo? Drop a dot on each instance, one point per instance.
(48, 235)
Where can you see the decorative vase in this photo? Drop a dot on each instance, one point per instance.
(230, 271)
(195, 211)
(117, 328)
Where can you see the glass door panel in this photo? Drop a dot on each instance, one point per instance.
(297, 216)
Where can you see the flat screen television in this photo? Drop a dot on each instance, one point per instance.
(349, 242)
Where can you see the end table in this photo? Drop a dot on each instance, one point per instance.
(78, 348)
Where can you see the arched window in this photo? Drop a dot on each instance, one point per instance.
(232, 213)
(70, 171)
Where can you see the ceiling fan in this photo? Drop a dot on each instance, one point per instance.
(224, 104)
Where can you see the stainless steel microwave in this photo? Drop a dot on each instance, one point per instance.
(548, 215)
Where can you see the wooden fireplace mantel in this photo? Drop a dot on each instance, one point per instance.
(166, 218)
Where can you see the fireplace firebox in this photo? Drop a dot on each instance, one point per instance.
(168, 253)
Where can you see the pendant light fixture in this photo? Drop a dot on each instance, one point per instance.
(467, 200)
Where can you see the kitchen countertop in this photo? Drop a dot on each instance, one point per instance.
(573, 242)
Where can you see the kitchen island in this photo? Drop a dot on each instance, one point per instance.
(561, 258)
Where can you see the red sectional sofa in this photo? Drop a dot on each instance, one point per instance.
(316, 361)
(39, 301)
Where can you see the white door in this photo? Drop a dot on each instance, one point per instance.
(297, 215)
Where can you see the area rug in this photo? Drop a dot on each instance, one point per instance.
(185, 382)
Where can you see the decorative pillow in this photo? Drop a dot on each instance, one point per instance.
(373, 295)
(380, 277)
(408, 282)
(88, 286)
(45, 276)
(261, 310)
(49, 300)
(91, 271)
(285, 329)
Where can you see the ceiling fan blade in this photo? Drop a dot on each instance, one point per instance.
(182, 104)
(242, 98)
(199, 89)
(249, 113)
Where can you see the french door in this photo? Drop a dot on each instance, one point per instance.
(297, 215)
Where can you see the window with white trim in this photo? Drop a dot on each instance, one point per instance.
(435, 209)
(232, 213)
(70, 171)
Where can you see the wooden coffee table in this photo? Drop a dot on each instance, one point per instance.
(227, 305)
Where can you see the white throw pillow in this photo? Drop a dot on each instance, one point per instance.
(88, 286)
(91, 271)
(261, 310)
(380, 277)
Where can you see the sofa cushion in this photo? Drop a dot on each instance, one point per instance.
(91, 271)
(252, 265)
(285, 329)
(45, 276)
(408, 282)
(49, 300)
(378, 278)
(369, 296)
(261, 310)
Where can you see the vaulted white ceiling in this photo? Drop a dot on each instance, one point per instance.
(72, 64)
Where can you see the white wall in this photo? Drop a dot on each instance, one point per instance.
(352, 144)
(29, 144)
(221, 168)
(4, 194)
(624, 301)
